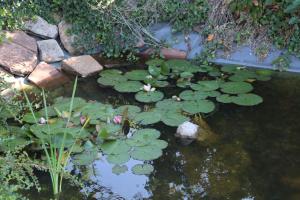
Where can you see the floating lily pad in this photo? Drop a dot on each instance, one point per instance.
(159, 144)
(136, 75)
(224, 98)
(119, 169)
(236, 87)
(118, 158)
(146, 118)
(172, 118)
(130, 109)
(160, 84)
(168, 104)
(206, 85)
(183, 83)
(154, 71)
(145, 153)
(155, 62)
(148, 97)
(142, 169)
(111, 80)
(177, 65)
(129, 86)
(115, 147)
(87, 156)
(247, 99)
(205, 68)
(193, 95)
(110, 72)
(199, 106)
(147, 133)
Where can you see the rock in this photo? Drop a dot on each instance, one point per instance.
(47, 76)
(81, 65)
(22, 39)
(41, 28)
(17, 59)
(68, 39)
(187, 130)
(50, 51)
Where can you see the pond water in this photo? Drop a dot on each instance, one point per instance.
(256, 156)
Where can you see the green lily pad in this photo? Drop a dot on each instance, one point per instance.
(229, 69)
(145, 153)
(193, 95)
(142, 169)
(110, 72)
(88, 156)
(146, 118)
(168, 104)
(154, 71)
(236, 87)
(264, 72)
(111, 80)
(177, 65)
(28, 117)
(155, 62)
(225, 98)
(206, 85)
(161, 144)
(129, 86)
(172, 118)
(119, 169)
(118, 158)
(148, 97)
(213, 93)
(199, 106)
(160, 84)
(147, 133)
(247, 99)
(115, 147)
(136, 75)
(131, 110)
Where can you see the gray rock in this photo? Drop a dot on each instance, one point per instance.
(187, 130)
(81, 65)
(68, 39)
(50, 51)
(41, 28)
(22, 39)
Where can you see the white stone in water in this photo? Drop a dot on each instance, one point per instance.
(187, 130)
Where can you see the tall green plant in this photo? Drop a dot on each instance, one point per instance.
(57, 156)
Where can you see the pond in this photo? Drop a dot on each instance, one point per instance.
(255, 157)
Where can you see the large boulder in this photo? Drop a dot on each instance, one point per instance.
(41, 28)
(18, 53)
(68, 39)
(50, 51)
(47, 76)
(81, 65)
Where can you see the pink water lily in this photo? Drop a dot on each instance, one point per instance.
(117, 119)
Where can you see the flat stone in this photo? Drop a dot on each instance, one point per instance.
(81, 65)
(50, 51)
(22, 39)
(41, 28)
(68, 39)
(17, 59)
(47, 76)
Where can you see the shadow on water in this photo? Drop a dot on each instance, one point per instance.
(257, 156)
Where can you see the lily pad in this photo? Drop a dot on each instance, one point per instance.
(118, 158)
(161, 144)
(177, 65)
(229, 69)
(160, 84)
(148, 97)
(247, 99)
(193, 95)
(146, 118)
(172, 118)
(131, 110)
(111, 80)
(129, 86)
(119, 169)
(199, 106)
(136, 75)
(168, 104)
(110, 72)
(225, 98)
(206, 85)
(142, 169)
(145, 153)
(236, 87)
(115, 147)
(155, 62)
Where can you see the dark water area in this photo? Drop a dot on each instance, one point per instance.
(256, 156)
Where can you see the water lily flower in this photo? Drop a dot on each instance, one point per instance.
(82, 119)
(148, 88)
(117, 119)
(42, 120)
(176, 98)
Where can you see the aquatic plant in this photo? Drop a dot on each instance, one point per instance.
(198, 85)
